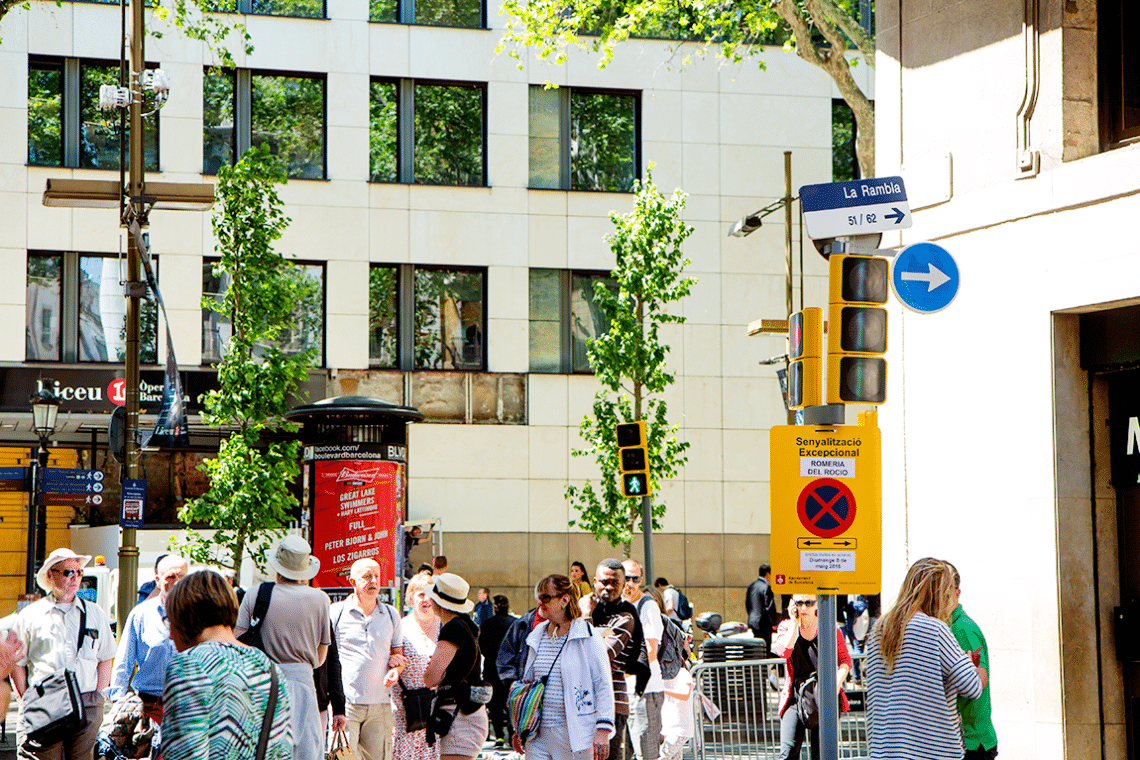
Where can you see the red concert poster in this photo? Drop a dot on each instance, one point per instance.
(356, 515)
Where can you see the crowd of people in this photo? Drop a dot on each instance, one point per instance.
(196, 674)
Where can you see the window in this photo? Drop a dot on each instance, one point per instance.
(1118, 22)
(584, 139)
(294, 8)
(76, 310)
(65, 125)
(470, 14)
(241, 109)
(844, 160)
(426, 318)
(307, 330)
(563, 318)
(442, 143)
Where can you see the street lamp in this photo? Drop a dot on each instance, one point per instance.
(45, 407)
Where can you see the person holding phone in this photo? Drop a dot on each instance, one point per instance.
(797, 640)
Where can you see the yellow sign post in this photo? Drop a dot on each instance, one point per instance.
(826, 493)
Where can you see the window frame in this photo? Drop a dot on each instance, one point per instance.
(406, 132)
(565, 319)
(565, 126)
(242, 79)
(1112, 42)
(406, 15)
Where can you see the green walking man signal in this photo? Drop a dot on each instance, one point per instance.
(633, 458)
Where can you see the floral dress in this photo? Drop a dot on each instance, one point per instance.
(412, 746)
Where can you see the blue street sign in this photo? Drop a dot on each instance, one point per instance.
(925, 277)
(860, 207)
(64, 480)
(133, 503)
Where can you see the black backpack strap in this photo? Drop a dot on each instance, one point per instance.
(270, 709)
(262, 605)
(82, 624)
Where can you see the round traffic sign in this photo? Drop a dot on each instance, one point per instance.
(925, 277)
(826, 507)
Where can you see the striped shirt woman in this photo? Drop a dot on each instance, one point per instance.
(911, 707)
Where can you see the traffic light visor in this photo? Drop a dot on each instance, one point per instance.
(629, 434)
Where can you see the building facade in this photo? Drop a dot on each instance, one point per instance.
(1006, 434)
(450, 213)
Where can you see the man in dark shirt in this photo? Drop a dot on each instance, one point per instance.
(761, 606)
(491, 635)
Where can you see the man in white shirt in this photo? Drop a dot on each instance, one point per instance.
(370, 645)
(61, 633)
(645, 710)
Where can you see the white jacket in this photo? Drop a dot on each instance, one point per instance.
(585, 668)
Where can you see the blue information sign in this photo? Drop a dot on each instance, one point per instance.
(925, 277)
(859, 207)
(64, 480)
(134, 499)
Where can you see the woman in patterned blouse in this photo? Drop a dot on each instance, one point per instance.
(217, 689)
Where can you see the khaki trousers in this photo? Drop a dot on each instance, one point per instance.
(370, 730)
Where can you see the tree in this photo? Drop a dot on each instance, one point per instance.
(250, 501)
(629, 360)
(818, 30)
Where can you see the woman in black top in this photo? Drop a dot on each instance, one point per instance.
(453, 669)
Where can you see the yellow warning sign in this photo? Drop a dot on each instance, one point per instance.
(826, 486)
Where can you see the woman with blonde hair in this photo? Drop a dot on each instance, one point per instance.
(915, 671)
(420, 629)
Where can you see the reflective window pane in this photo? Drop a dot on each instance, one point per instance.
(383, 316)
(545, 321)
(99, 130)
(288, 114)
(102, 314)
(603, 141)
(383, 132)
(216, 328)
(449, 134)
(465, 13)
(448, 319)
(217, 120)
(545, 142)
(387, 11)
(45, 113)
(297, 8)
(586, 320)
(43, 309)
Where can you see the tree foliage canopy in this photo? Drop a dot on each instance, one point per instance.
(629, 360)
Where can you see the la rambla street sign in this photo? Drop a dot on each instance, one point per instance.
(826, 488)
(859, 207)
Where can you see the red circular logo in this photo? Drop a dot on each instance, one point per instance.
(826, 507)
(117, 392)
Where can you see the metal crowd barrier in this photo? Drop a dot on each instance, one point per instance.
(744, 696)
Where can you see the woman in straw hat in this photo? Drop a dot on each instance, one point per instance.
(454, 669)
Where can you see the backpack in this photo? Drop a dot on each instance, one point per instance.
(671, 652)
(684, 609)
(806, 704)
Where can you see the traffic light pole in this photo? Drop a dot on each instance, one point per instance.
(647, 534)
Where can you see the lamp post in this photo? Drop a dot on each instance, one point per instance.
(45, 407)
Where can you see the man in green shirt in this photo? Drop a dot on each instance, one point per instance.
(977, 728)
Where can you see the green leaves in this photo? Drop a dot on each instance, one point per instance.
(629, 360)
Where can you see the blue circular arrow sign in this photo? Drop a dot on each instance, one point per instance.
(925, 277)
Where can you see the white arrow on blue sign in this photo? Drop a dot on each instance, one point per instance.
(860, 207)
(925, 277)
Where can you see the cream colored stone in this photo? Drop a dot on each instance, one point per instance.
(549, 454)
(508, 347)
(470, 504)
(746, 507)
(547, 241)
(546, 400)
(704, 507)
(347, 353)
(586, 245)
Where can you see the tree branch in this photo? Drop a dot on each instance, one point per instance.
(847, 23)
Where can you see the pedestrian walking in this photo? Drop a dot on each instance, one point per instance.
(797, 641)
(483, 608)
(577, 705)
(371, 648)
(978, 734)
(62, 632)
(491, 635)
(761, 605)
(915, 670)
(581, 579)
(420, 631)
(454, 670)
(295, 633)
(677, 724)
(645, 707)
(219, 691)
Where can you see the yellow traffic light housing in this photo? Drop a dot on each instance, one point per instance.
(633, 458)
(805, 371)
(857, 338)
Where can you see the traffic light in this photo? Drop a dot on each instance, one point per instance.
(857, 330)
(633, 458)
(805, 372)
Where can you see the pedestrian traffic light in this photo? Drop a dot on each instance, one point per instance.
(633, 458)
(805, 372)
(857, 334)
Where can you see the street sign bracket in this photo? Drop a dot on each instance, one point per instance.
(827, 414)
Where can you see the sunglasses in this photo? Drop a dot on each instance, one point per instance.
(68, 573)
(544, 598)
(632, 578)
(804, 602)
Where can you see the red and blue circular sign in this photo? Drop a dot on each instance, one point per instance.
(826, 507)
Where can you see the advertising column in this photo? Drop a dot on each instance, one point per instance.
(358, 497)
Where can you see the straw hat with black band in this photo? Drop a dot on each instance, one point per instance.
(57, 556)
(450, 592)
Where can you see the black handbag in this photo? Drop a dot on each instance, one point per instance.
(53, 708)
(417, 707)
(252, 637)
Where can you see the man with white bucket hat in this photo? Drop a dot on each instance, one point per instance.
(63, 632)
(296, 635)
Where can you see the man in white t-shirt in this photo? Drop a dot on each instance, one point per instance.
(645, 710)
